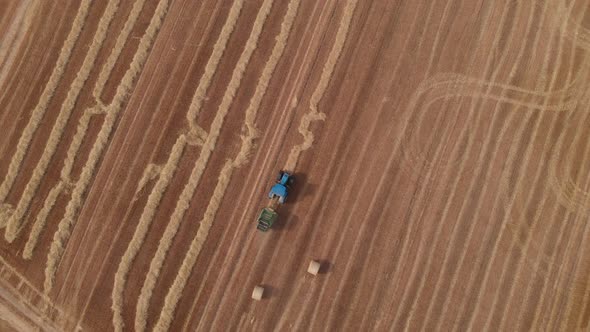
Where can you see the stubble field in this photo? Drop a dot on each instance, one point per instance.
(440, 150)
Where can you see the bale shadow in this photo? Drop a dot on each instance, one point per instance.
(268, 291)
(325, 266)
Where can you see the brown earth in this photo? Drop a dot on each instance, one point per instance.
(440, 151)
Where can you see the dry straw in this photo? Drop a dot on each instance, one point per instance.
(41, 108)
(169, 168)
(112, 110)
(65, 176)
(207, 149)
(15, 222)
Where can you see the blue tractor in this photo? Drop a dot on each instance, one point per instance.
(281, 188)
(278, 194)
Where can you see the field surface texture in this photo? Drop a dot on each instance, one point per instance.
(441, 151)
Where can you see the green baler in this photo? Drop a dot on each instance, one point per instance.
(266, 218)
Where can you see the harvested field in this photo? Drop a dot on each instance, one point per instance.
(440, 150)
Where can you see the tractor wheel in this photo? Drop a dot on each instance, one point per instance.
(291, 181)
(280, 176)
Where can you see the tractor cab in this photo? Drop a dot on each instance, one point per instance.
(281, 188)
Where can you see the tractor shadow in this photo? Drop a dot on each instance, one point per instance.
(300, 189)
(287, 218)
